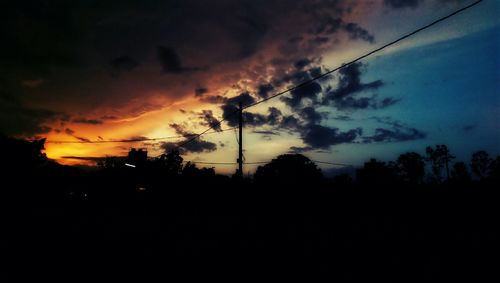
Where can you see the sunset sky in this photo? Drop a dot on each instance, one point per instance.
(80, 71)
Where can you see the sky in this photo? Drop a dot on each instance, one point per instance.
(112, 71)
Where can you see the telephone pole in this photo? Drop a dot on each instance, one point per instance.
(240, 143)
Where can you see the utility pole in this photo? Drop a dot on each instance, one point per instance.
(240, 149)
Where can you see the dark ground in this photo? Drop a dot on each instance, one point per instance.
(351, 234)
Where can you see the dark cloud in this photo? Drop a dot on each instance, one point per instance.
(310, 115)
(19, 120)
(351, 103)
(63, 43)
(399, 4)
(196, 145)
(387, 120)
(308, 91)
(395, 135)
(298, 149)
(320, 40)
(274, 116)
(372, 102)
(123, 63)
(343, 118)
(267, 133)
(357, 32)
(109, 117)
(87, 121)
(263, 90)
(213, 99)
(346, 95)
(250, 119)
(200, 91)
(92, 158)
(386, 102)
(69, 131)
(317, 136)
(171, 62)
(329, 25)
(231, 106)
(349, 82)
(209, 120)
(290, 123)
(302, 63)
(82, 139)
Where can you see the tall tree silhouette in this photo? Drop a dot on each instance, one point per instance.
(439, 158)
(459, 173)
(173, 162)
(411, 167)
(289, 169)
(480, 163)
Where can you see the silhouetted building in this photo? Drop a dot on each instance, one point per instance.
(137, 157)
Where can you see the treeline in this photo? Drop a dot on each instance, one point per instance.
(29, 171)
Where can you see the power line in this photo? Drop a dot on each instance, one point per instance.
(137, 139)
(333, 163)
(334, 70)
(265, 162)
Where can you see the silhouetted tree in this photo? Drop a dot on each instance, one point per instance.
(173, 162)
(411, 167)
(110, 162)
(480, 163)
(376, 172)
(459, 173)
(22, 153)
(289, 169)
(439, 158)
(191, 171)
(494, 172)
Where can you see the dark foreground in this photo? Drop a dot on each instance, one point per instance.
(349, 234)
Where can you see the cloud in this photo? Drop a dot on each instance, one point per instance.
(200, 91)
(346, 95)
(317, 136)
(372, 102)
(87, 121)
(302, 63)
(209, 120)
(82, 139)
(193, 146)
(213, 99)
(357, 32)
(263, 90)
(171, 62)
(343, 118)
(19, 120)
(400, 4)
(123, 63)
(109, 117)
(267, 133)
(310, 115)
(395, 135)
(298, 149)
(329, 25)
(308, 91)
(349, 83)
(69, 131)
(177, 38)
(91, 158)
